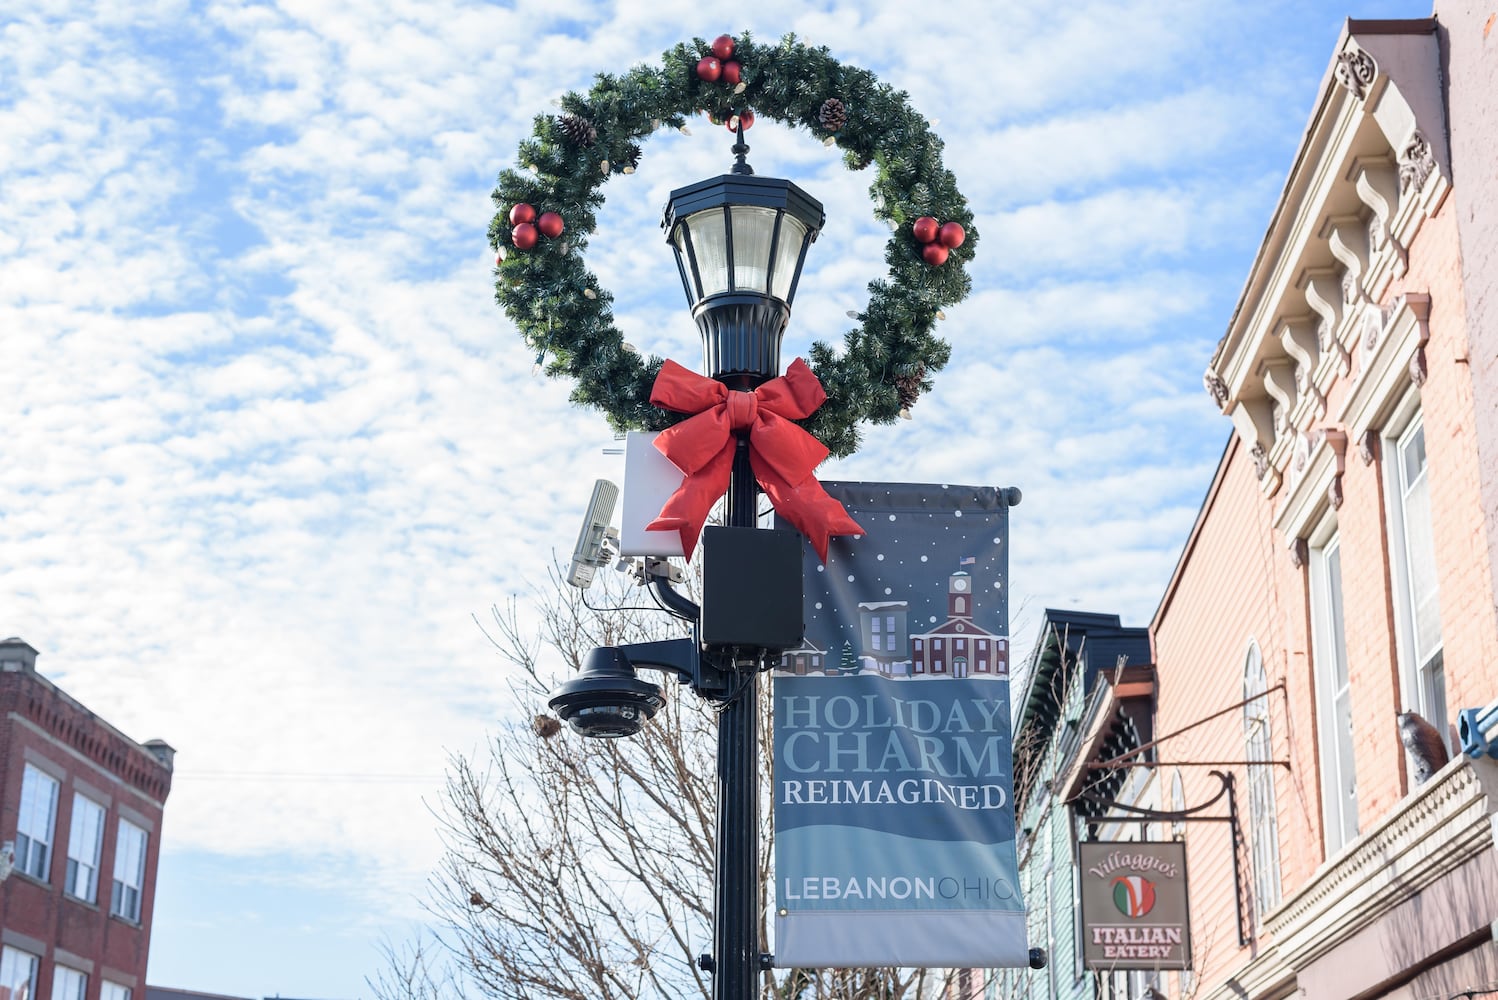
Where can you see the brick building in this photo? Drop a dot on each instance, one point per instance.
(1341, 569)
(81, 806)
(1342, 573)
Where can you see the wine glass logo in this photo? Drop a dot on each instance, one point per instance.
(1134, 895)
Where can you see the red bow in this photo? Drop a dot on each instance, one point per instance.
(782, 454)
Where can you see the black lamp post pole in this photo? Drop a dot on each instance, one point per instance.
(741, 327)
(736, 946)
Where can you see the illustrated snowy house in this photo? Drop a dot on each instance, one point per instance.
(958, 647)
(807, 658)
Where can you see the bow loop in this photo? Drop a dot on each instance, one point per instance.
(781, 453)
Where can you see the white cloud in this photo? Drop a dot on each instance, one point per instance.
(270, 443)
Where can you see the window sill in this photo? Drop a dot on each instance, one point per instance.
(28, 877)
(80, 901)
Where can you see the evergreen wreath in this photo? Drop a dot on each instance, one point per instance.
(545, 287)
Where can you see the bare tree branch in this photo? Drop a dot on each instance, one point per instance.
(579, 869)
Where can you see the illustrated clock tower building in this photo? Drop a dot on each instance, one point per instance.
(959, 595)
(959, 646)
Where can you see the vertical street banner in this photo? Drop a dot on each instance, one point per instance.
(894, 826)
(1134, 905)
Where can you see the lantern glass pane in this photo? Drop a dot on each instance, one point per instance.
(684, 261)
(787, 253)
(710, 244)
(753, 228)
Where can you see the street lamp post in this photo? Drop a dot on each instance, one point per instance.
(740, 242)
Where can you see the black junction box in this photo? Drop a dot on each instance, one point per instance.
(751, 588)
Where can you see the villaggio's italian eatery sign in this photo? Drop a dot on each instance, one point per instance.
(894, 826)
(1134, 910)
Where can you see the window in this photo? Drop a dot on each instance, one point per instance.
(113, 991)
(129, 871)
(1412, 550)
(1263, 822)
(18, 971)
(34, 826)
(84, 842)
(1339, 789)
(68, 984)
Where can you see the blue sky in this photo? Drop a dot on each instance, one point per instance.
(270, 445)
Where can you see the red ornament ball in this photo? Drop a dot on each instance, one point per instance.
(522, 213)
(723, 46)
(951, 235)
(709, 69)
(732, 73)
(924, 229)
(524, 236)
(550, 225)
(746, 117)
(935, 254)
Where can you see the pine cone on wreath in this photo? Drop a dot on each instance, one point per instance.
(578, 130)
(908, 387)
(833, 115)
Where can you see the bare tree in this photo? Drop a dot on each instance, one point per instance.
(583, 869)
(417, 970)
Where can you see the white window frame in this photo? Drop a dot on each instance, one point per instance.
(36, 825)
(1263, 814)
(1178, 804)
(17, 966)
(1339, 801)
(129, 871)
(85, 844)
(68, 983)
(1421, 671)
(1052, 989)
(113, 991)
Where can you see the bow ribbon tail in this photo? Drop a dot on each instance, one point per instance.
(806, 505)
(686, 510)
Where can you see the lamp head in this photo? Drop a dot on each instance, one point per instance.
(740, 242)
(606, 699)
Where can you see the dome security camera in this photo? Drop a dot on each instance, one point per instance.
(606, 700)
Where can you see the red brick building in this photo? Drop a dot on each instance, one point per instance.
(959, 646)
(81, 808)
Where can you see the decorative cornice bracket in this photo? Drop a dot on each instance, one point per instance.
(1356, 71)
